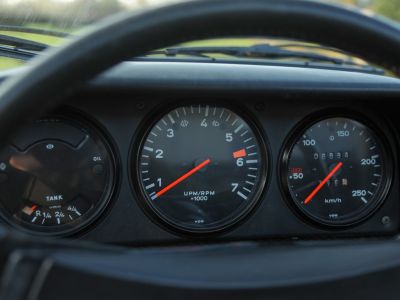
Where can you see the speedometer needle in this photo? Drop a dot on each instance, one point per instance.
(323, 182)
(183, 177)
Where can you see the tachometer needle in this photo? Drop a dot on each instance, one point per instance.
(323, 182)
(183, 177)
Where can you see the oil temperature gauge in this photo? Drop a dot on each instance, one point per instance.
(56, 176)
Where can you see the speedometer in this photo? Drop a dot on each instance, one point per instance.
(201, 168)
(336, 171)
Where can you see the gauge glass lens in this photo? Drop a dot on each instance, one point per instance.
(201, 168)
(337, 171)
(55, 176)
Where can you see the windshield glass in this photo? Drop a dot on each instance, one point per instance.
(28, 27)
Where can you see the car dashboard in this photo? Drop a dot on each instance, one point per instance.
(153, 153)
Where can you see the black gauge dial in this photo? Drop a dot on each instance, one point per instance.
(55, 176)
(337, 171)
(201, 168)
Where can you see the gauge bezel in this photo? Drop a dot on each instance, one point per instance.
(381, 194)
(142, 198)
(76, 118)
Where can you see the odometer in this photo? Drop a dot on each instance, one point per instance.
(201, 168)
(336, 171)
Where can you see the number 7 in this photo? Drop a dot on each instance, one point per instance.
(235, 186)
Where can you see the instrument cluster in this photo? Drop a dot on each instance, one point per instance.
(201, 169)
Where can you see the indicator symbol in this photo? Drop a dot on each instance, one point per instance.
(215, 123)
(184, 123)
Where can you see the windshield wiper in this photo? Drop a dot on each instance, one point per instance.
(262, 51)
(21, 48)
(20, 43)
(16, 53)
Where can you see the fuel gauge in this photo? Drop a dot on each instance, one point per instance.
(54, 215)
(56, 176)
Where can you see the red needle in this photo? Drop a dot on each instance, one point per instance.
(183, 177)
(323, 182)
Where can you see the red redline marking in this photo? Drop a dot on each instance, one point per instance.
(323, 182)
(183, 177)
(239, 153)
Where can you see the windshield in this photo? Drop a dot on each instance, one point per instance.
(29, 26)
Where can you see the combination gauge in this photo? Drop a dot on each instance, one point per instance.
(56, 176)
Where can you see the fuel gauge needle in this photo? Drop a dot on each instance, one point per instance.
(183, 177)
(323, 182)
(29, 210)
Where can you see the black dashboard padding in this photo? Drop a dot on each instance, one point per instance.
(62, 70)
(330, 270)
(180, 77)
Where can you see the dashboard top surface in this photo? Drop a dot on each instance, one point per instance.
(210, 76)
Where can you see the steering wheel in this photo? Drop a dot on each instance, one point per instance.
(47, 81)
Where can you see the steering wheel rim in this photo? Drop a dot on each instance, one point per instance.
(49, 78)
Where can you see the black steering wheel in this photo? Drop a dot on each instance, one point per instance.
(47, 81)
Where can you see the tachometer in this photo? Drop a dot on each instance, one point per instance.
(201, 168)
(336, 171)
